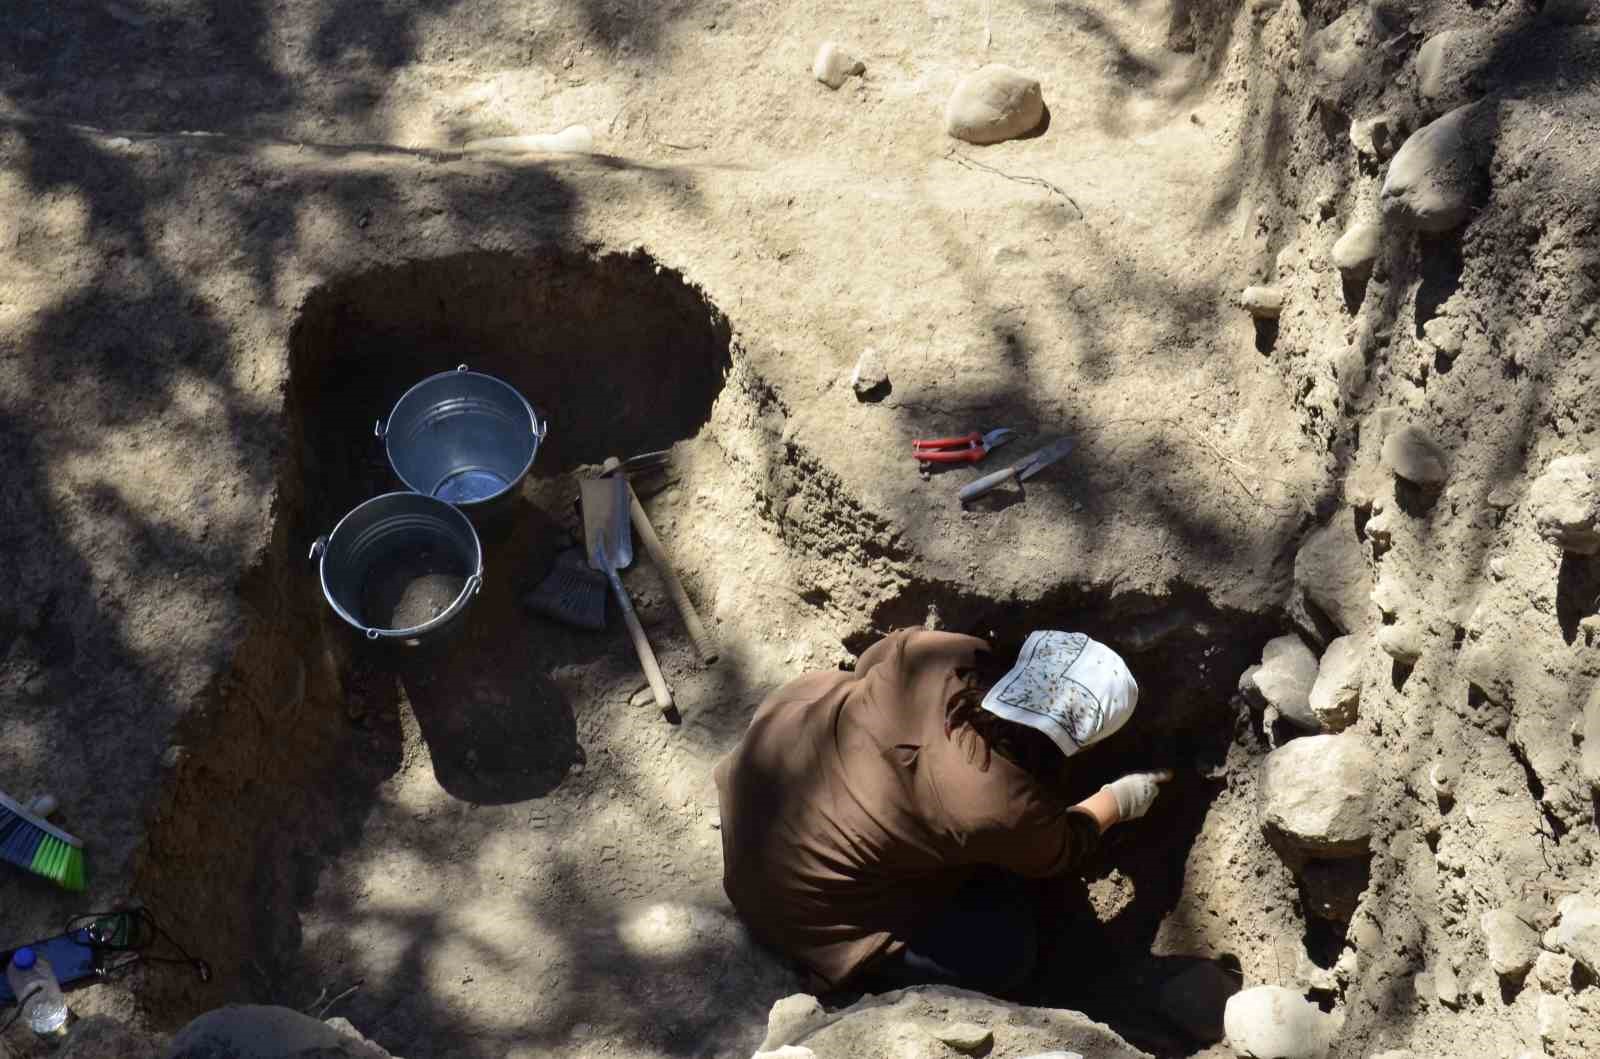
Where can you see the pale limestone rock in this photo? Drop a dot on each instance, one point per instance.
(1403, 641)
(1578, 932)
(1270, 1022)
(1317, 795)
(1512, 943)
(833, 65)
(1357, 249)
(1565, 502)
(1335, 697)
(1264, 303)
(1288, 670)
(992, 104)
(1553, 972)
(870, 379)
(789, 1018)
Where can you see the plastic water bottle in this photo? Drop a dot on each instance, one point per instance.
(38, 993)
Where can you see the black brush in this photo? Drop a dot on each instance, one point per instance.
(571, 593)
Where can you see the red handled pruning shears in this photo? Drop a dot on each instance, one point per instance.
(969, 448)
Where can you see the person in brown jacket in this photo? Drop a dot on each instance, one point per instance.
(875, 823)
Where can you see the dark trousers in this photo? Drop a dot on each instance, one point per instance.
(985, 939)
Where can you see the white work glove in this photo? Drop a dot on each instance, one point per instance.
(1136, 792)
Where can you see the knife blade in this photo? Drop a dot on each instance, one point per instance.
(1022, 470)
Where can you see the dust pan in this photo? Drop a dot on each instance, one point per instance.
(572, 593)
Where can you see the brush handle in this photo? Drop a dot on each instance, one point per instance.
(6, 802)
(641, 643)
(704, 645)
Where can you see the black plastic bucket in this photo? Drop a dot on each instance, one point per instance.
(401, 567)
(462, 437)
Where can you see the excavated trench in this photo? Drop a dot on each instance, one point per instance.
(281, 787)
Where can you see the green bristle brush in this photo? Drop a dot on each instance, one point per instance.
(33, 845)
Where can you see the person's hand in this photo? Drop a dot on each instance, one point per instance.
(1136, 792)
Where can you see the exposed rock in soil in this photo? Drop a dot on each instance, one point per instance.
(1512, 943)
(1330, 570)
(103, 1037)
(1288, 671)
(1336, 696)
(1356, 250)
(1270, 1022)
(1437, 173)
(1578, 932)
(1565, 501)
(833, 65)
(905, 1025)
(1264, 303)
(870, 377)
(1411, 454)
(992, 104)
(1317, 795)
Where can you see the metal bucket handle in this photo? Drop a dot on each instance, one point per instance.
(471, 588)
(380, 430)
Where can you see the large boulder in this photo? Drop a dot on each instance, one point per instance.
(1330, 570)
(1565, 502)
(1317, 795)
(1437, 173)
(1271, 1022)
(992, 104)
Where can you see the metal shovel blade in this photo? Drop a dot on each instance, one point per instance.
(606, 517)
(1032, 464)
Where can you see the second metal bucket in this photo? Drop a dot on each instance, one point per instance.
(401, 567)
(463, 437)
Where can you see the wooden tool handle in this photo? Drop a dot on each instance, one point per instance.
(641, 643)
(973, 490)
(704, 645)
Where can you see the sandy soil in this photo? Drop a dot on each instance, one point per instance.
(227, 243)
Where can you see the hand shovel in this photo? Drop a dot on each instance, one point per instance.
(1022, 470)
(608, 534)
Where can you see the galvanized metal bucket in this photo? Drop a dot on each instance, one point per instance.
(401, 567)
(462, 436)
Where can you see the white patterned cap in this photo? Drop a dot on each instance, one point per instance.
(1075, 690)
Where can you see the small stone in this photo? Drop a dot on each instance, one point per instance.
(993, 104)
(1565, 502)
(1446, 986)
(1270, 1022)
(1317, 795)
(1578, 932)
(1434, 177)
(1589, 756)
(1512, 943)
(1288, 671)
(1247, 687)
(1403, 641)
(789, 1018)
(174, 756)
(1434, 60)
(1357, 249)
(833, 65)
(1396, 1053)
(1377, 137)
(1442, 778)
(1551, 1018)
(788, 1051)
(1264, 303)
(1410, 453)
(870, 379)
(1336, 696)
(963, 1036)
(1553, 971)
(574, 139)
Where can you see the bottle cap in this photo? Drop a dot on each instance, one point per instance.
(24, 958)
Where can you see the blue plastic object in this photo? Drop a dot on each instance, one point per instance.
(24, 958)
